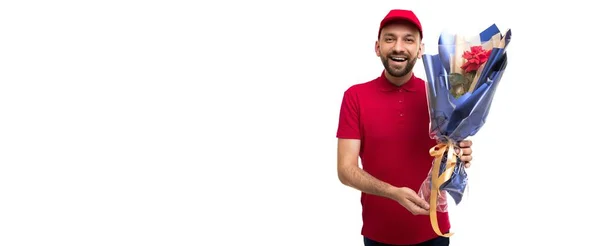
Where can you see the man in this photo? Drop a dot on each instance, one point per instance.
(385, 123)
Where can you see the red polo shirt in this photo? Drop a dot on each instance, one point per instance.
(393, 125)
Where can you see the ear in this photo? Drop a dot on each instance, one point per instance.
(421, 50)
(377, 48)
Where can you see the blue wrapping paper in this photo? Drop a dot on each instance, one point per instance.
(455, 117)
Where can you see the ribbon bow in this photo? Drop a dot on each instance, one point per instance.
(438, 179)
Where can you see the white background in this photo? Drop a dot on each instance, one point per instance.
(180, 123)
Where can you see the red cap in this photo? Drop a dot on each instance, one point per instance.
(401, 14)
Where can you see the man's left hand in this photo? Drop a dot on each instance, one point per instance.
(466, 158)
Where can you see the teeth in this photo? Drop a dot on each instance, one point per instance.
(399, 59)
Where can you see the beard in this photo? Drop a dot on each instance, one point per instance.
(398, 71)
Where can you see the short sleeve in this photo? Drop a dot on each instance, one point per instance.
(348, 125)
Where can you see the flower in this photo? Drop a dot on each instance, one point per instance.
(463, 81)
(475, 58)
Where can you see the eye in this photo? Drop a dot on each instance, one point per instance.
(389, 39)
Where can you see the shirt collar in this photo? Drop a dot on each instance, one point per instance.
(385, 85)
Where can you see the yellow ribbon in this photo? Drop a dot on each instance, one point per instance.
(437, 180)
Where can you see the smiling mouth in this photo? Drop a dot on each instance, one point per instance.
(398, 59)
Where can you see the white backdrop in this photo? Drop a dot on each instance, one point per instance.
(180, 123)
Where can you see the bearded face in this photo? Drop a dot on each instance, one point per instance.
(398, 64)
(399, 47)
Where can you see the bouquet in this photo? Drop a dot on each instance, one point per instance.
(461, 82)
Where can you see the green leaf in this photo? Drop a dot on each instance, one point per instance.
(456, 79)
(458, 84)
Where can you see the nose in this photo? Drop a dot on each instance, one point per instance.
(398, 46)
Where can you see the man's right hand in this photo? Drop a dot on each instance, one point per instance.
(412, 201)
(351, 175)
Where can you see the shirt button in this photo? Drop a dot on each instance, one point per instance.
(401, 114)
(399, 101)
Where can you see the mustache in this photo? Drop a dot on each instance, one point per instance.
(399, 54)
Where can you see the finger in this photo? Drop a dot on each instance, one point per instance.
(458, 151)
(465, 143)
(467, 164)
(466, 158)
(467, 151)
(418, 201)
(416, 209)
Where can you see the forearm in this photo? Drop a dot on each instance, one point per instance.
(359, 179)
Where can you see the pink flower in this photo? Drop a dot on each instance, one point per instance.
(475, 58)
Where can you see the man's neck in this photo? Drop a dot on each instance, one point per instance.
(398, 81)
